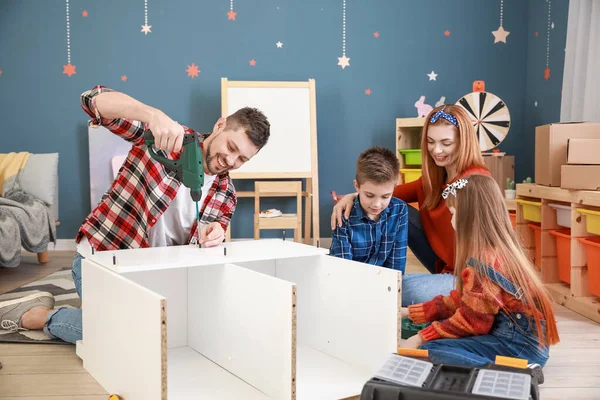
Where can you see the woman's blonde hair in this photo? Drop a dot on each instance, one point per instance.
(468, 153)
(484, 231)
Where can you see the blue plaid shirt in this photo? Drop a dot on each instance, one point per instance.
(382, 243)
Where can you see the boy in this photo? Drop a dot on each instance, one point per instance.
(377, 229)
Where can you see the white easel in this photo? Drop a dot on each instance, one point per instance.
(292, 148)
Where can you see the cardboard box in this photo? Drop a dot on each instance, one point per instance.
(583, 151)
(551, 148)
(580, 177)
(500, 167)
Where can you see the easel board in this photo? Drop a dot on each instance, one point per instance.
(291, 151)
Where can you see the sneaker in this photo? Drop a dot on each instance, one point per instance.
(14, 305)
(536, 371)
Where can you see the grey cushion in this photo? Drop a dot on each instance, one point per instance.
(40, 177)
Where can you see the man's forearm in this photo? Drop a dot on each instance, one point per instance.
(113, 105)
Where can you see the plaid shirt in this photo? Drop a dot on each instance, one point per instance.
(382, 243)
(143, 190)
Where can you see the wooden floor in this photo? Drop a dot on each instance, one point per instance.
(54, 371)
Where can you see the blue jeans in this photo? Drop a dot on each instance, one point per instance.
(419, 288)
(66, 323)
(513, 336)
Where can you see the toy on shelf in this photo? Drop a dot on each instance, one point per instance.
(422, 108)
(441, 101)
(510, 192)
(410, 375)
(528, 180)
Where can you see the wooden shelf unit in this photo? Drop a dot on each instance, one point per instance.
(408, 136)
(576, 295)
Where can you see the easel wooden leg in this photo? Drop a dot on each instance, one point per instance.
(308, 210)
(315, 212)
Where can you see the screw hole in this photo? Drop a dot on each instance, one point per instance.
(389, 289)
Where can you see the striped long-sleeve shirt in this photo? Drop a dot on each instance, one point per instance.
(467, 314)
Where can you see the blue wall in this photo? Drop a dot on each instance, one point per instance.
(39, 105)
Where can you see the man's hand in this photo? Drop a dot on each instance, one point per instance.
(413, 342)
(168, 134)
(211, 235)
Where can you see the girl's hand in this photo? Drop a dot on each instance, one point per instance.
(404, 313)
(344, 206)
(413, 342)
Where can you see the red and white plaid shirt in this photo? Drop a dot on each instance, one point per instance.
(143, 190)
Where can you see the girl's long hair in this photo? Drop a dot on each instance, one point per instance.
(484, 231)
(468, 153)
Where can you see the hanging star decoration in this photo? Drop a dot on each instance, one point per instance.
(547, 73)
(446, 32)
(535, 103)
(536, 34)
(84, 13)
(0, 72)
(500, 35)
(146, 29)
(376, 35)
(252, 62)
(231, 15)
(343, 62)
(279, 45)
(124, 78)
(192, 71)
(69, 70)
(432, 76)
(552, 25)
(368, 92)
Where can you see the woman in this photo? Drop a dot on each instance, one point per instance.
(450, 150)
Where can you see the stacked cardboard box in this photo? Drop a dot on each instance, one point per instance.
(582, 171)
(551, 143)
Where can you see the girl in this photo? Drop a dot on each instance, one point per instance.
(450, 150)
(500, 306)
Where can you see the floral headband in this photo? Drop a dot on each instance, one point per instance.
(451, 188)
(441, 114)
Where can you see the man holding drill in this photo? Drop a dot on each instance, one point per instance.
(146, 206)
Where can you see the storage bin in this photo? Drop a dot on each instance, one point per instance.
(592, 218)
(563, 253)
(592, 247)
(410, 174)
(411, 156)
(537, 231)
(563, 214)
(513, 219)
(532, 210)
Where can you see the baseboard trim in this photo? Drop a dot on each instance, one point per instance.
(63, 245)
(70, 245)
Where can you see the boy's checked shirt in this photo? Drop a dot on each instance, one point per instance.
(382, 243)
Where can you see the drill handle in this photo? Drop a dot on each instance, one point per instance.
(149, 139)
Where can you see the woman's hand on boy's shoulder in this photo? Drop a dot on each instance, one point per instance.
(342, 208)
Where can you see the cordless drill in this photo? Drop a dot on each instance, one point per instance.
(189, 169)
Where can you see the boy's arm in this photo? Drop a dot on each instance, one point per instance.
(127, 117)
(474, 316)
(340, 242)
(396, 259)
